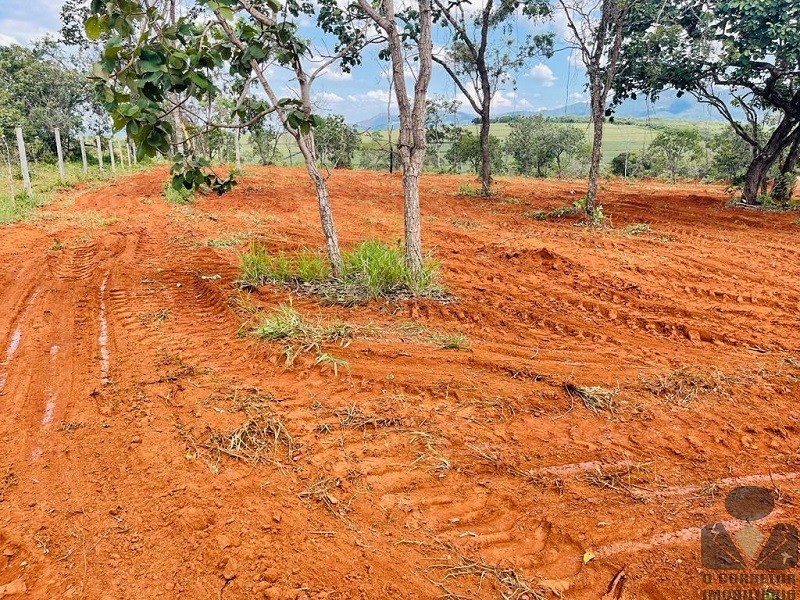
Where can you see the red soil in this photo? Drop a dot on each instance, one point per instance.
(119, 358)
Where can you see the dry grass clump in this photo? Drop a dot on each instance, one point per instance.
(261, 438)
(431, 456)
(595, 398)
(683, 386)
(353, 417)
(541, 479)
(627, 477)
(299, 335)
(513, 585)
(321, 491)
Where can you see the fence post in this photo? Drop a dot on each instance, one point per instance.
(60, 156)
(111, 153)
(83, 153)
(128, 152)
(23, 162)
(99, 152)
(135, 156)
(237, 150)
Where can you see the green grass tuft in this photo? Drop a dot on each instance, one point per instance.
(372, 269)
(453, 341)
(259, 267)
(18, 208)
(380, 270)
(179, 196)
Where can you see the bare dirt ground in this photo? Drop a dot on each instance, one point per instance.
(415, 472)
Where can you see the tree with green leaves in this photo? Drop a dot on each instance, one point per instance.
(337, 142)
(676, 147)
(265, 136)
(536, 144)
(730, 54)
(465, 149)
(154, 63)
(485, 53)
(731, 155)
(439, 114)
(39, 91)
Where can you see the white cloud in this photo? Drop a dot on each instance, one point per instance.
(374, 96)
(543, 74)
(328, 97)
(509, 101)
(337, 75)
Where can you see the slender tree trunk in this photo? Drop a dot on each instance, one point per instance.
(598, 117)
(486, 156)
(305, 142)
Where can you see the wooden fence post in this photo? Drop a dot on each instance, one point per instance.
(60, 156)
(237, 150)
(111, 153)
(99, 152)
(128, 152)
(83, 153)
(23, 162)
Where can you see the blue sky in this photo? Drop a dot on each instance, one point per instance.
(545, 83)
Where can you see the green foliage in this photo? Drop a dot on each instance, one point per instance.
(179, 195)
(190, 172)
(466, 189)
(336, 142)
(677, 147)
(731, 155)
(453, 341)
(437, 128)
(536, 144)
(16, 208)
(559, 212)
(41, 90)
(625, 164)
(148, 61)
(465, 150)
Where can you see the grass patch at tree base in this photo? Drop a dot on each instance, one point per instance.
(370, 270)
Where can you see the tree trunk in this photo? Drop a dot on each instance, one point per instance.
(754, 179)
(784, 185)
(411, 214)
(306, 144)
(486, 155)
(597, 153)
(756, 176)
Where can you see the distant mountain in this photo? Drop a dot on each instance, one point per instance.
(668, 106)
(379, 122)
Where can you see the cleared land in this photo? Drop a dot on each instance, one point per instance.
(608, 389)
